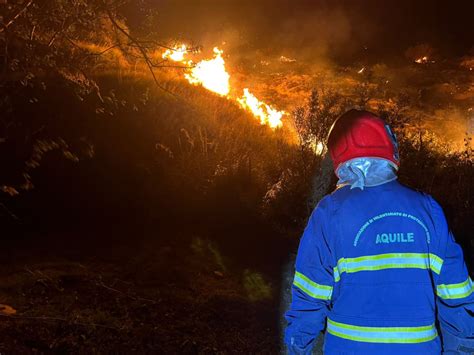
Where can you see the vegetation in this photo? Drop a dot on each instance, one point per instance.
(147, 212)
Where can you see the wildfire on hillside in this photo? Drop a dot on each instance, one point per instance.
(212, 75)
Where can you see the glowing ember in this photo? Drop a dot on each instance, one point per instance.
(422, 60)
(284, 59)
(317, 148)
(266, 114)
(176, 54)
(361, 70)
(211, 74)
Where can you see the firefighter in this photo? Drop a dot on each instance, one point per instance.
(377, 266)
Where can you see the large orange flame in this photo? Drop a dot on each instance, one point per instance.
(212, 75)
(266, 114)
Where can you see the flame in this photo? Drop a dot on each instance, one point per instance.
(211, 74)
(266, 114)
(176, 54)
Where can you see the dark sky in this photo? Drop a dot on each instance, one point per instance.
(332, 27)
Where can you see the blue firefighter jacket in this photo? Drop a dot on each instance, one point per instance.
(380, 271)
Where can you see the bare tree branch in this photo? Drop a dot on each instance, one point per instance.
(14, 18)
(142, 50)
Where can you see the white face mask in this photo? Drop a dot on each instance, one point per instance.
(366, 172)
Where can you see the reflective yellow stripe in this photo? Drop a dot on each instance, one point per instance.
(455, 291)
(388, 261)
(312, 288)
(337, 276)
(401, 335)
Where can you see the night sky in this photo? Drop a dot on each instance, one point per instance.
(336, 28)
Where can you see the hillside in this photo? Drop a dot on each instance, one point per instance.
(144, 212)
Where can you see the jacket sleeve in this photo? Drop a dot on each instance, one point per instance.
(454, 289)
(312, 286)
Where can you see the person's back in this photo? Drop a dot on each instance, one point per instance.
(376, 266)
(385, 257)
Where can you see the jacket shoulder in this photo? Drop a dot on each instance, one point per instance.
(417, 193)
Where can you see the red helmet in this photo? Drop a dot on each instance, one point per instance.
(358, 134)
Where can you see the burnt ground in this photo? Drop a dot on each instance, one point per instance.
(72, 296)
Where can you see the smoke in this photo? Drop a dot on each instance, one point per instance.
(342, 30)
(282, 49)
(307, 28)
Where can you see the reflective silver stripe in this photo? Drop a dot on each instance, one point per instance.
(455, 291)
(402, 335)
